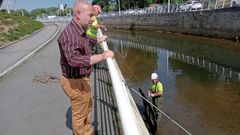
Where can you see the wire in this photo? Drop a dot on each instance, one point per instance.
(162, 112)
(149, 101)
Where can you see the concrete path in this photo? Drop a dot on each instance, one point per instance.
(33, 103)
(28, 106)
(17, 51)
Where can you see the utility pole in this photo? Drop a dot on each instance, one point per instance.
(22, 12)
(8, 10)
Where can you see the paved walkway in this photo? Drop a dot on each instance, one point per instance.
(13, 53)
(32, 103)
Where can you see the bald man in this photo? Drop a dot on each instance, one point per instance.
(77, 64)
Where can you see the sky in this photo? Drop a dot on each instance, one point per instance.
(33, 4)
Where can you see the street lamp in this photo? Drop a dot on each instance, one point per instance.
(119, 7)
(169, 6)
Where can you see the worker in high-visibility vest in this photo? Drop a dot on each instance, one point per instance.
(156, 92)
(92, 30)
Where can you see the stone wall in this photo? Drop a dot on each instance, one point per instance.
(216, 23)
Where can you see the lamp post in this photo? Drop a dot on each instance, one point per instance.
(169, 6)
(119, 7)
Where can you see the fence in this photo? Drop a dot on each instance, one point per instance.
(131, 119)
(183, 7)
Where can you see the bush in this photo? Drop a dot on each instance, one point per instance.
(132, 24)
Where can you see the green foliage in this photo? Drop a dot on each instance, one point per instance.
(132, 24)
(124, 4)
(105, 4)
(23, 12)
(14, 26)
(111, 5)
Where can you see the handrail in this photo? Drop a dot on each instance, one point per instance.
(171, 8)
(130, 117)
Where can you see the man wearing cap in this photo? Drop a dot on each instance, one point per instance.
(92, 30)
(156, 91)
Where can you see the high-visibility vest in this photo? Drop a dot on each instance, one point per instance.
(156, 87)
(92, 30)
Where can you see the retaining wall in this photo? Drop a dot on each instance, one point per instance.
(216, 23)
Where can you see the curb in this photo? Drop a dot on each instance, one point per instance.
(30, 54)
(8, 44)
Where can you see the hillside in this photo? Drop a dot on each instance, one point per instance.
(14, 27)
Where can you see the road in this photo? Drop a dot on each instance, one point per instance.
(30, 107)
(17, 51)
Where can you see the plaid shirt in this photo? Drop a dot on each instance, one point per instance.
(75, 51)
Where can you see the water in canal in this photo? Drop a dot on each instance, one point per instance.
(201, 78)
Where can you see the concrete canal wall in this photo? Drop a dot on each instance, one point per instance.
(215, 23)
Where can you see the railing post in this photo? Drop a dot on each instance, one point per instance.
(223, 3)
(216, 4)
(209, 3)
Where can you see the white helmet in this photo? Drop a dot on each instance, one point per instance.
(154, 76)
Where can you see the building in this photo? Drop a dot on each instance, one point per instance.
(62, 6)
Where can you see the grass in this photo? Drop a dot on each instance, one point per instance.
(13, 27)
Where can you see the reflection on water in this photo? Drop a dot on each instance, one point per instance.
(201, 78)
(128, 58)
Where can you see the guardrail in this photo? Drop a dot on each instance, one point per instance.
(182, 7)
(66, 19)
(130, 117)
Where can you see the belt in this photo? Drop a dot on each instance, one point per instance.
(72, 72)
(76, 76)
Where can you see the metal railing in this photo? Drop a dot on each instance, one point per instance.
(65, 19)
(130, 117)
(182, 7)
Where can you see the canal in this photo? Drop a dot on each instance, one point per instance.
(200, 76)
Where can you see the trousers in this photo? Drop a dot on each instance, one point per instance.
(79, 93)
(158, 102)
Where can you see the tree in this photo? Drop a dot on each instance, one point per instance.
(124, 4)
(105, 4)
(22, 12)
(40, 12)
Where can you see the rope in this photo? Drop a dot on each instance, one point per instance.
(172, 120)
(162, 112)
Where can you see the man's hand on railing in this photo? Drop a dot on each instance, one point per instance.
(101, 39)
(107, 54)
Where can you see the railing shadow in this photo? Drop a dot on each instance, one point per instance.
(149, 115)
(105, 110)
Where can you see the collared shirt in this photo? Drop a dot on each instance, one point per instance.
(75, 51)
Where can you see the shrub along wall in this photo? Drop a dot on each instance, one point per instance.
(216, 23)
